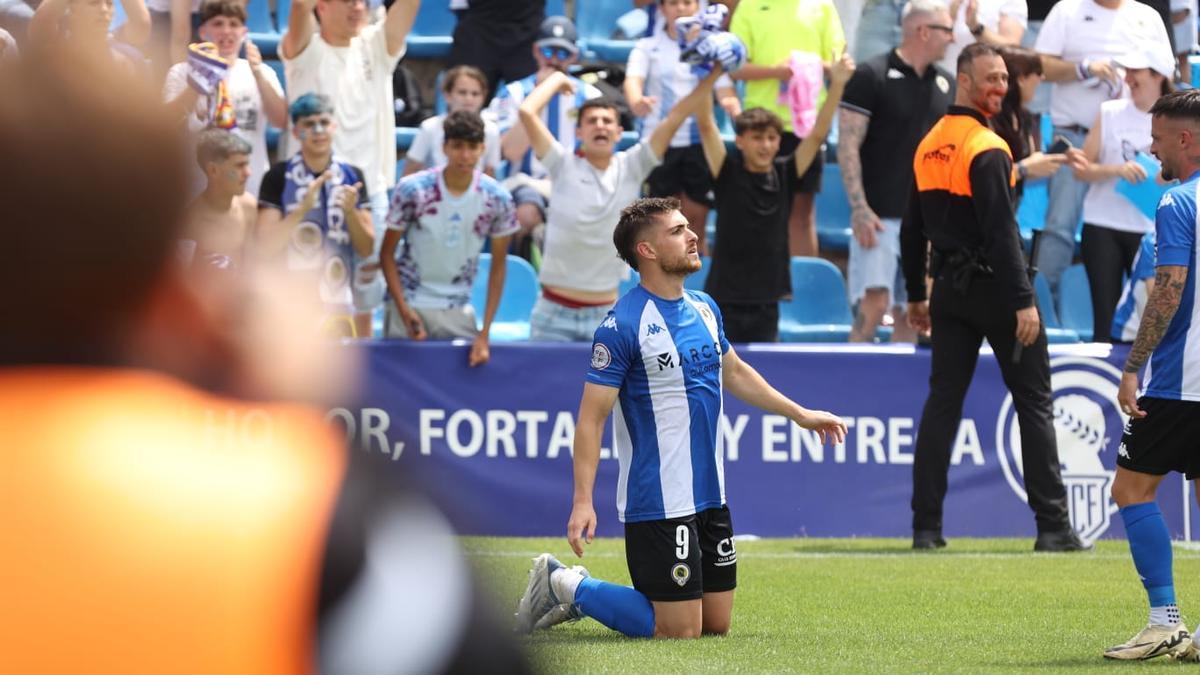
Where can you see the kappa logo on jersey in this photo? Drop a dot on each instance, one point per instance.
(1167, 200)
(654, 329)
(610, 323)
(601, 358)
(1087, 422)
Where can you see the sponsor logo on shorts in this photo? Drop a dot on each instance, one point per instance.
(601, 358)
(680, 573)
(1087, 422)
(726, 553)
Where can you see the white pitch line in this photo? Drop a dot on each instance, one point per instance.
(821, 555)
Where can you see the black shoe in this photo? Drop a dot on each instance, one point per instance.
(927, 539)
(1065, 541)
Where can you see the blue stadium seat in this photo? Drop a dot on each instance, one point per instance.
(258, 17)
(833, 211)
(432, 32)
(1055, 333)
(818, 310)
(283, 9)
(521, 290)
(596, 22)
(1031, 214)
(695, 281)
(404, 137)
(1075, 302)
(267, 43)
(628, 140)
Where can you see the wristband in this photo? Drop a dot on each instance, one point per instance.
(1082, 69)
(1022, 172)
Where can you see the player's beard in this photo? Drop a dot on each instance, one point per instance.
(681, 266)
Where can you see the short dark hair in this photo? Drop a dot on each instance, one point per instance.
(600, 102)
(1178, 105)
(234, 9)
(635, 218)
(218, 145)
(463, 125)
(757, 119)
(456, 72)
(974, 51)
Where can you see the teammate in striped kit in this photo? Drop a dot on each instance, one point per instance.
(1138, 288)
(660, 362)
(1165, 421)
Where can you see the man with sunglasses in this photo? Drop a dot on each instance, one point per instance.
(555, 51)
(890, 103)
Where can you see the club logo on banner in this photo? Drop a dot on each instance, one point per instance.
(1088, 424)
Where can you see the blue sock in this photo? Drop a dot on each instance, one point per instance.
(1150, 545)
(621, 608)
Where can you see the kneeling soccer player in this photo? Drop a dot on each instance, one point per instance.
(662, 358)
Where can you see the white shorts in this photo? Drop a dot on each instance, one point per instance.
(877, 267)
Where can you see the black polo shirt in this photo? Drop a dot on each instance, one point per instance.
(903, 107)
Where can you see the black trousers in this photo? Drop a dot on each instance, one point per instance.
(960, 323)
(1107, 258)
(750, 323)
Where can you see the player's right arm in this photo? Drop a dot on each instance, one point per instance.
(597, 403)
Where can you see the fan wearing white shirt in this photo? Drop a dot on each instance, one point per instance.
(465, 88)
(580, 270)
(251, 86)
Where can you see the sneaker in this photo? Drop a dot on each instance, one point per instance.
(1189, 654)
(1154, 640)
(563, 612)
(539, 598)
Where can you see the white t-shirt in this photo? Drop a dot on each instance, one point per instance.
(559, 116)
(1081, 29)
(164, 6)
(426, 148)
(656, 60)
(359, 80)
(1185, 31)
(247, 108)
(585, 204)
(989, 15)
(1125, 131)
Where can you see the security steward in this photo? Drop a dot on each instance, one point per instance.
(961, 210)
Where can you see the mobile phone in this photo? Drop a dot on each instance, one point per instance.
(1059, 146)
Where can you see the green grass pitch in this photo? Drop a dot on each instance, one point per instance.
(870, 605)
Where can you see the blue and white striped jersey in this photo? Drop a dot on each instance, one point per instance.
(559, 115)
(1128, 316)
(1174, 368)
(665, 357)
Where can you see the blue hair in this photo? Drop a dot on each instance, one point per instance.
(310, 104)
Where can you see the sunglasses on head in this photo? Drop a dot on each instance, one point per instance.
(560, 53)
(937, 26)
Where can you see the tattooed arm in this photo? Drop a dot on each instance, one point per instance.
(1169, 281)
(852, 128)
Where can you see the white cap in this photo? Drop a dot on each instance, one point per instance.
(1155, 57)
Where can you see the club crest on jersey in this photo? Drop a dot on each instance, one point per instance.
(601, 358)
(1087, 425)
(680, 573)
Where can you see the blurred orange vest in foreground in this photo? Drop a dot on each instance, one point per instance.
(149, 527)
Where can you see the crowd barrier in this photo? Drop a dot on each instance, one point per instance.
(493, 444)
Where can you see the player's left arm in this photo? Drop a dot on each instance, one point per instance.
(1169, 282)
(744, 382)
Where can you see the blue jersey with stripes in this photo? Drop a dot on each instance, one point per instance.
(665, 358)
(1128, 315)
(1174, 368)
(559, 116)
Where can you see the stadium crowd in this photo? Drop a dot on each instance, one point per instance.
(295, 136)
